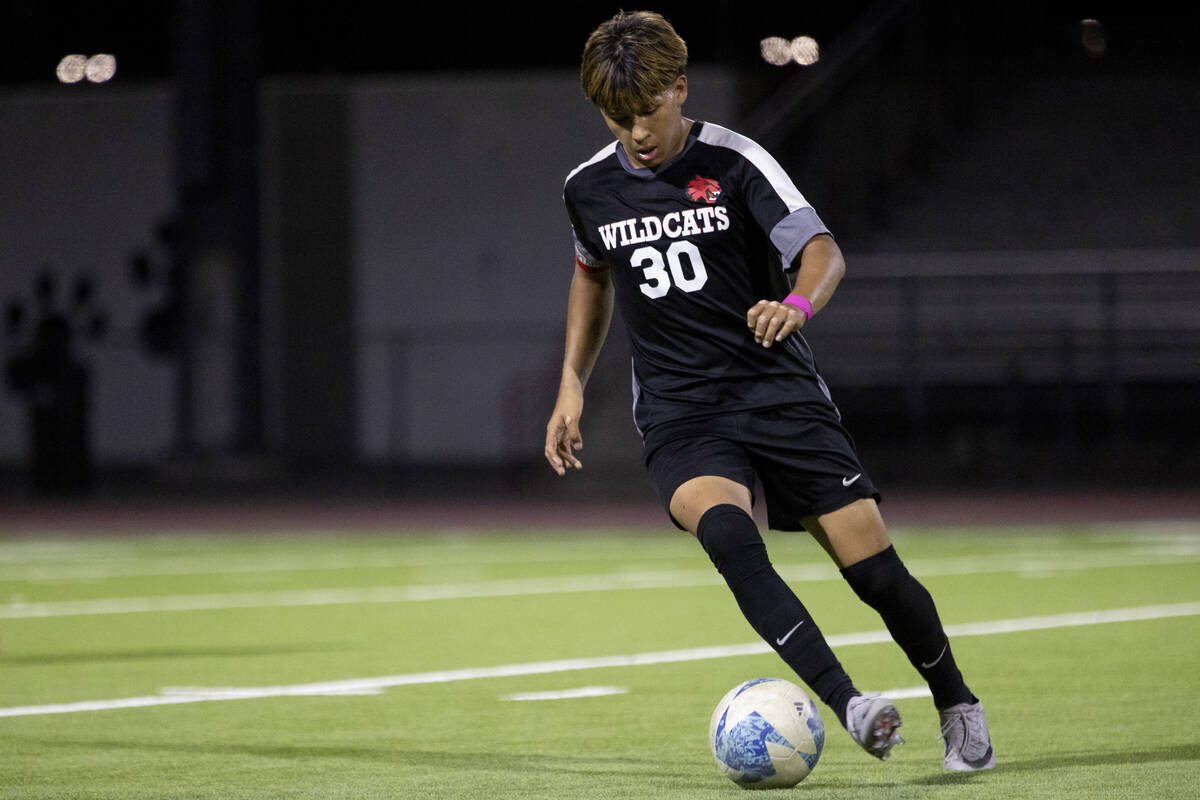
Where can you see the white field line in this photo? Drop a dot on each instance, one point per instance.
(379, 594)
(357, 686)
(907, 693)
(80, 569)
(84, 561)
(1023, 565)
(567, 694)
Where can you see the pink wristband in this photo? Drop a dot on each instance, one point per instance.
(800, 303)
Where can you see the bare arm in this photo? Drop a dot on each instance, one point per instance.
(589, 313)
(821, 269)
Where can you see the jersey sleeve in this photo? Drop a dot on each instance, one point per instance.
(586, 257)
(783, 213)
(794, 231)
(771, 196)
(585, 260)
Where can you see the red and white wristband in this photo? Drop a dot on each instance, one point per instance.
(800, 302)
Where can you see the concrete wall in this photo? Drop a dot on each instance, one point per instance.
(448, 221)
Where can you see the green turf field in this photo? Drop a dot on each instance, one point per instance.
(571, 664)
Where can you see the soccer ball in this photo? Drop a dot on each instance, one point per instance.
(766, 733)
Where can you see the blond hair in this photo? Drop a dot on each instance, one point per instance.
(629, 61)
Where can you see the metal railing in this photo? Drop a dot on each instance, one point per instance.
(909, 325)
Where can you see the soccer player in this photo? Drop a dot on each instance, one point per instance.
(717, 261)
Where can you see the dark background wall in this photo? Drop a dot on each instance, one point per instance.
(309, 248)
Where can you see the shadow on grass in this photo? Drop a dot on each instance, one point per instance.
(590, 765)
(1069, 760)
(454, 760)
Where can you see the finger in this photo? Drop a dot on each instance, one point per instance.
(754, 313)
(788, 321)
(568, 458)
(554, 446)
(569, 452)
(570, 441)
(552, 458)
(764, 320)
(772, 329)
(788, 328)
(784, 323)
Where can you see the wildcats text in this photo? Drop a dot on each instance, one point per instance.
(690, 222)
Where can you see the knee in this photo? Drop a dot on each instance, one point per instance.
(877, 579)
(731, 539)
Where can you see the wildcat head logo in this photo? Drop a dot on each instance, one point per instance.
(703, 189)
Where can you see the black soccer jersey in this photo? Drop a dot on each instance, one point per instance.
(692, 245)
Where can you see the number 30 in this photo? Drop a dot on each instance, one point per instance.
(655, 271)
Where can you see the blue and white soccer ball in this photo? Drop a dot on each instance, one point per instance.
(766, 733)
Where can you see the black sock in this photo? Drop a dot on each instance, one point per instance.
(884, 583)
(733, 542)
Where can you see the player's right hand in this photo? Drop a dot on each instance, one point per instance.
(563, 439)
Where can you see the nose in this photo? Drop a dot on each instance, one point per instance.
(639, 131)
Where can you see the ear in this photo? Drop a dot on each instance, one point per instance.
(680, 88)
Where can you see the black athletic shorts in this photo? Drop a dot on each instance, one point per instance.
(800, 454)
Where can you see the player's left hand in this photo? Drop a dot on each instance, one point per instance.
(771, 321)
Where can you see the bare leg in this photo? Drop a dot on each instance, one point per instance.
(852, 533)
(857, 540)
(698, 495)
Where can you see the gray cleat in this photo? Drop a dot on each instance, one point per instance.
(874, 723)
(965, 731)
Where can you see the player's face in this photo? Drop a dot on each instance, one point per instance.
(657, 134)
